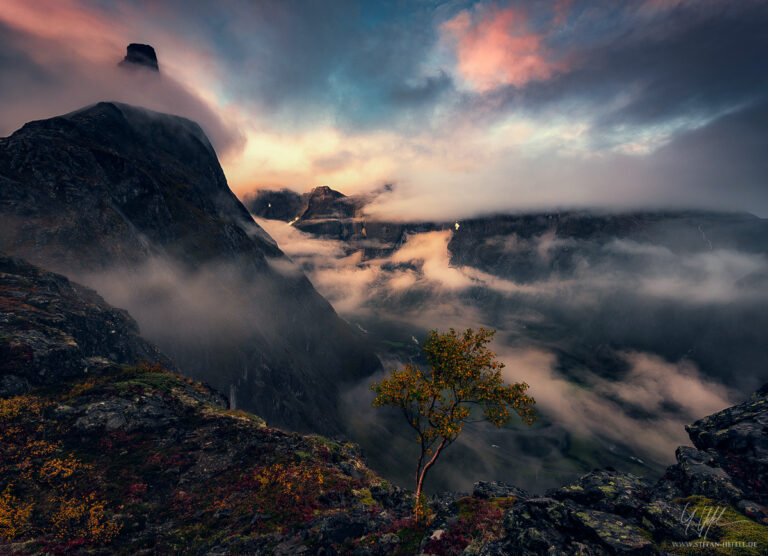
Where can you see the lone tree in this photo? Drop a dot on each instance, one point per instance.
(463, 372)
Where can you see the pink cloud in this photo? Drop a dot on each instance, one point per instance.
(496, 47)
(86, 31)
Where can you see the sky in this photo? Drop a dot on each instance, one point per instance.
(464, 107)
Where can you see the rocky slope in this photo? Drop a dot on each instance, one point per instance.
(52, 330)
(104, 454)
(134, 203)
(103, 450)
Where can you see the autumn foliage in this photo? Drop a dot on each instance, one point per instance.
(437, 402)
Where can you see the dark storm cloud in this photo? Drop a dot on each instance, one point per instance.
(355, 62)
(633, 68)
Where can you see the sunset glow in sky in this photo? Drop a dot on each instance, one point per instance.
(466, 107)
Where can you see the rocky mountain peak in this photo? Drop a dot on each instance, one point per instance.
(135, 204)
(140, 56)
(325, 192)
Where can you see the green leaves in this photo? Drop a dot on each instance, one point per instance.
(463, 372)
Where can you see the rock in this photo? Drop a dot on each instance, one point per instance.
(607, 491)
(135, 202)
(662, 519)
(541, 526)
(388, 542)
(275, 205)
(697, 473)
(13, 385)
(756, 511)
(620, 536)
(549, 526)
(495, 489)
(337, 528)
(739, 437)
(140, 56)
(52, 329)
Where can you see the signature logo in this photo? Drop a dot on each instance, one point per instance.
(702, 520)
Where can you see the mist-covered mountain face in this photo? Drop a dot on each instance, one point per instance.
(625, 325)
(134, 204)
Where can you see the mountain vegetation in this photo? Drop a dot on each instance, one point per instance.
(436, 403)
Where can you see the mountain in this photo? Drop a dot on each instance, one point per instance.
(104, 450)
(328, 213)
(135, 204)
(627, 325)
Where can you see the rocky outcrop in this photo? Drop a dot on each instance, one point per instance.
(140, 56)
(735, 440)
(52, 329)
(608, 512)
(135, 204)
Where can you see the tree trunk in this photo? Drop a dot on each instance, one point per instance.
(422, 474)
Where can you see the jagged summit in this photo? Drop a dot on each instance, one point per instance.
(140, 56)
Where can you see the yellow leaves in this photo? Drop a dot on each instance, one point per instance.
(83, 517)
(42, 499)
(57, 469)
(18, 406)
(291, 479)
(14, 514)
(83, 386)
(463, 371)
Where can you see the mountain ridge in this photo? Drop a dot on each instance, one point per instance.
(134, 203)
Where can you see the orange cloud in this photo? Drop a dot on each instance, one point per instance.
(497, 48)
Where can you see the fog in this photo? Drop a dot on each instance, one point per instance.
(250, 333)
(623, 342)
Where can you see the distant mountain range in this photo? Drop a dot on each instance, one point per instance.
(626, 324)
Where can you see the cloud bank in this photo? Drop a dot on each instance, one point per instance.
(622, 341)
(469, 107)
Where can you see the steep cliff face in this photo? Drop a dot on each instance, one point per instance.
(135, 204)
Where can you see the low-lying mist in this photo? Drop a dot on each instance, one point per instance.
(265, 340)
(622, 342)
